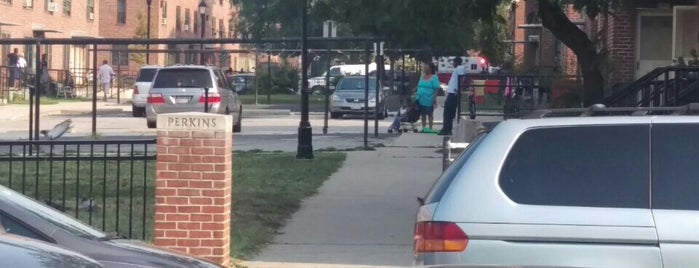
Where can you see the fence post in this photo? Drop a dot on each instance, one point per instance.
(446, 152)
(194, 184)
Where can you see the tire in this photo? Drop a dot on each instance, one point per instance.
(138, 112)
(317, 90)
(238, 127)
(151, 124)
(335, 115)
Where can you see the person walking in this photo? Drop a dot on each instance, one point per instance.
(426, 95)
(104, 77)
(21, 69)
(451, 102)
(12, 59)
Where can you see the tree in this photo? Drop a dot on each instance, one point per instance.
(141, 33)
(590, 59)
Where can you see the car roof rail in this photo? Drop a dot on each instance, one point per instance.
(602, 110)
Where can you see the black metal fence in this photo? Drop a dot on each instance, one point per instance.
(108, 184)
(513, 96)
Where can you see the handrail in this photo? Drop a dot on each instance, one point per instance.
(653, 77)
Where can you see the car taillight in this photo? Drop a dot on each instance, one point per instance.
(439, 237)
(135, 89)
(213, 98)
(156, 98)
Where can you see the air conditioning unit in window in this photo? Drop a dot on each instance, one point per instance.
(52, 7)
(163, 21)
(186, 28)
(28, 3)
(91, 16)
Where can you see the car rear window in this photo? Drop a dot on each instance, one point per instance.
(353, 83)
(589, 166)
(168, 78)
(146, 75)
(442, 184)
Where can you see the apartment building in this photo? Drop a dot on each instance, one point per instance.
(49, 19)
(169, 19)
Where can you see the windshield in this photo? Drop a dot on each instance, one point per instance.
(58, 219)
(356, 83)
(146, 75)
(169, 78)
(241, 79)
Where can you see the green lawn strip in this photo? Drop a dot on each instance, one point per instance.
(268, 188)
(249, 99)
(49, 100)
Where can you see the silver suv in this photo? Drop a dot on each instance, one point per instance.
(182, 88)
(595, 191)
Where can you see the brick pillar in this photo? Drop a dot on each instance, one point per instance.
(194, 184)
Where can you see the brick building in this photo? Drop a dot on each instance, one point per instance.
(637, 38)
(49, 19)
(169, 19)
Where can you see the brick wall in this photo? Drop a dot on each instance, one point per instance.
(194, 185)
(621, 45)
(28, 19)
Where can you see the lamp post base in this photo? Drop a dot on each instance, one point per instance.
(305, 147)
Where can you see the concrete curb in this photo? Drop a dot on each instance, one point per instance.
(263, 112)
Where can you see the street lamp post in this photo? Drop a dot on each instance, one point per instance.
(202, 12)
(148, 2)
(305, 142)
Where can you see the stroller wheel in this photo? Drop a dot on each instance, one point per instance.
(415, 130)
(390, 130)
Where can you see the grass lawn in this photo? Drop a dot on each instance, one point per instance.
(249, 99)
(268, 189)
(50, 101)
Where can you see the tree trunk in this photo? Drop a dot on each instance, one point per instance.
(555, 20)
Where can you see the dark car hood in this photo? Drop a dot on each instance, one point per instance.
(140, 253)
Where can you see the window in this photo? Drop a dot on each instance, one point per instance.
(593, 166)
(213, 26)
(91, 9)
(674, 166)
(221, 29)
(187, 20)
(168, 78)
(120, 56)
(178, 19)
(28, 3)
(121, 11)
(163, 5)
(66, 7)
(195, 15)
(15, 227)
(9, 2)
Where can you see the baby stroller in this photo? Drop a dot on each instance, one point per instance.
(407, 120)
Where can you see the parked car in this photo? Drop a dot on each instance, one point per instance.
(181, 88)
(23, 216)
(20, 252)
(348, 97)
(593, 191)
(243, 83)
(143, 82)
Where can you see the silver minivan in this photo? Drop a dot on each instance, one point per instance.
(188, 88)
(616, 191)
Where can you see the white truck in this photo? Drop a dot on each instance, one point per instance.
(317, 84)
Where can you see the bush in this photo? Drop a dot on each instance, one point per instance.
(284, 80)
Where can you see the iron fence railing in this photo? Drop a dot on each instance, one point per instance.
(108, 184)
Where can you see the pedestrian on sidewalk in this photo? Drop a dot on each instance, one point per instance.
(451, 102)
(44, 77)
(104, 77)
(21, 69)
(426, 95)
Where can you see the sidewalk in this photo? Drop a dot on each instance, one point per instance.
(363, 216)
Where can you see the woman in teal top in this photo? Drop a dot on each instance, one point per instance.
(426, 95)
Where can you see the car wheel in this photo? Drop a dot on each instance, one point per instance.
(317, 90)
(138, 112)
(335, 115)
(151, 124)
(382, 114)
(239, 125)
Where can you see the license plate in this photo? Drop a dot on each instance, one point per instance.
(182, 100)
